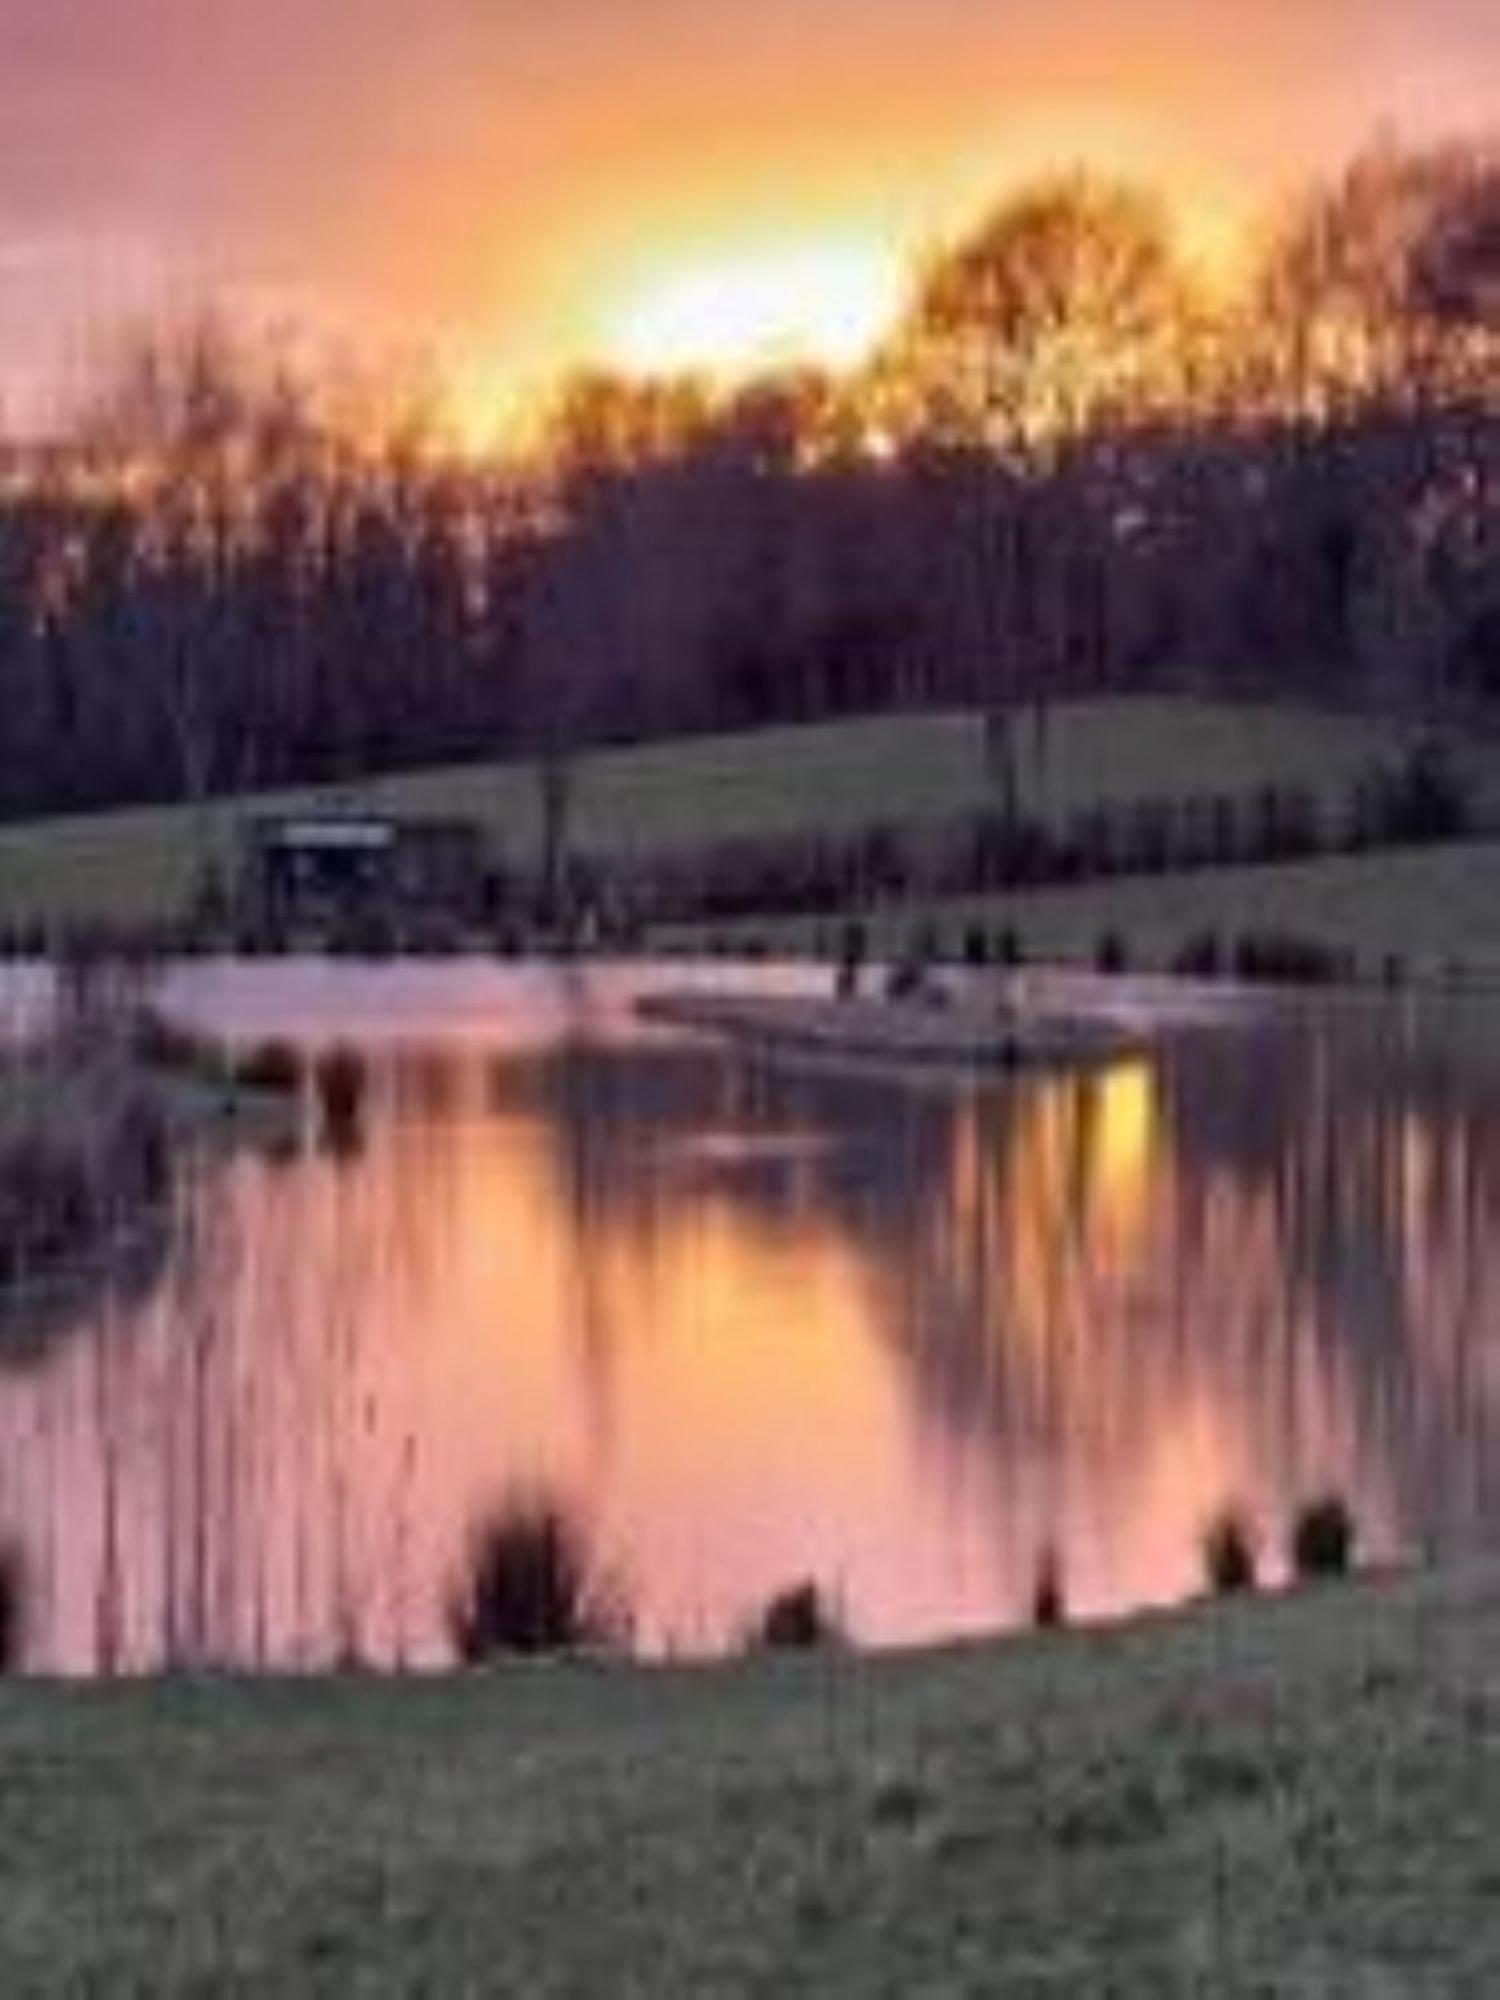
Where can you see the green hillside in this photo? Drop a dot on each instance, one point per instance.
(905, 771)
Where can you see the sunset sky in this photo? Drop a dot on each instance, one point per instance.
(516, 185)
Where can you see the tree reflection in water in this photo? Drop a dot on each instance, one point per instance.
(772, 1323)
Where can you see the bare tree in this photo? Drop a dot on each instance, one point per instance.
(1062, 310)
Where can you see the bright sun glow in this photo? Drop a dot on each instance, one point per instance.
(825, 304)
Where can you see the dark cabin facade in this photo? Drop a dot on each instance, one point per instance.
(350, 875)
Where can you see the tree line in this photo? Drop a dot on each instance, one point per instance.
(1075, 465)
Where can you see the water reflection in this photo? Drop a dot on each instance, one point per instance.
(760, 1325)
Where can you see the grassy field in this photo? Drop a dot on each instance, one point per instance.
(905, 771)
(1297, 1797)
(1436, 909)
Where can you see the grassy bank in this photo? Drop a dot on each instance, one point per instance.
(839, 778)
(1293, 1797)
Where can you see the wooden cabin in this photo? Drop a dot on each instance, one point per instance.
(339, 876)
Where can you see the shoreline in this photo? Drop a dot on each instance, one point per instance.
(945, 1033)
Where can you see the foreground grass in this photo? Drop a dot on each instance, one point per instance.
(843, 777)
(1296, 1797)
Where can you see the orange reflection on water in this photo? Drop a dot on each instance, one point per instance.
(759, 1326)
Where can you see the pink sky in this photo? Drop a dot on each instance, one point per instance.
(489, 176)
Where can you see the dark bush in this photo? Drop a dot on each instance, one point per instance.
(1095, 843)
(800, 1619)
(1284, 824)
(1049, 1597)
(1422, 799)
(1112, 955)
(532, 1585)
(1202, 957)
(853, 948)
(1276, 959)
(908, 977)
(1151, 836)
(1323, 1537)
(1434, 797)
(1009, 949)
(12, 1608)
(1230, 1554)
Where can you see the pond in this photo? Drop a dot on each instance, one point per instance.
(755, 1322)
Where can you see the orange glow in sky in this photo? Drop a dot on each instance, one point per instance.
(750, 307)
(721, 307)
(519, 191)
(743, 293)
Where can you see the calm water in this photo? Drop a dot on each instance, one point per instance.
(758, 1323)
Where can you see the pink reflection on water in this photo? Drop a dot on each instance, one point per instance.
(754, 1328)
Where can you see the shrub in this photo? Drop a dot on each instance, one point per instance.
(531, 1585)
(1323, 1537)
(1202, 957)
(1274, 959)
(1112, 955)
(1284, 824)
(800, 1619)
(1049, 1597)
(907, 979)
(1230, 1554)
(12, 1609)
(1009, 949)
(853, 947)
(1435, 799)
(1423, 798)
(1150, 835)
